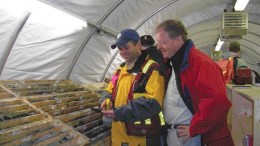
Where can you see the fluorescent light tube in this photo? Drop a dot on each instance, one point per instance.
(241, 5)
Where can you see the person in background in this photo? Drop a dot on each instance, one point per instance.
(148, 47)
(135, 95)
(196, 102)
(234, 53)
(147, 43)
(230, 62)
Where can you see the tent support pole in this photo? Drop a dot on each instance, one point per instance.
(93, 31)
(102, 78)
(12, 41)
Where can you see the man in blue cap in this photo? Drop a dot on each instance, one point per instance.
(134, 96)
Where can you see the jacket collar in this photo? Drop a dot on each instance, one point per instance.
(180, 59)
(138, 64)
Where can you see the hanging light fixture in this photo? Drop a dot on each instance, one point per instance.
(240, 5)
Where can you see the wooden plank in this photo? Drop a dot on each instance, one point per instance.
(104, 140)
(73, 142)
(13, 108)
(88, 126)
(21, 113)
(55, 139)
(58, 101)
(2, 90)
(18, 136)
(10, 102)
(69, 87)
(62, 101)
(28, 88)
(42, 133)
(75, 115)
(20, 88)
(20, 121)
(82, 94)
(42, 85)
(95, 87)
(66, 104)
(37, 92)
(72, 109)
(32, 85)
(44, 103)
(37, 109)
(39, 98)
(7, 90)
(23, 130)
(96, 131)
(26, 82)
(6, 95)
(66, 99)
(30, 82)
(85, 120)
(97, 139)
(54, 130)
(59, 97)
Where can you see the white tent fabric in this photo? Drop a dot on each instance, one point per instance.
(49, 47)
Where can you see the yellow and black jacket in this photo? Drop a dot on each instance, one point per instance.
(137, 95)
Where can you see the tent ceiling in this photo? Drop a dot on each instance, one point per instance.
(202, 18)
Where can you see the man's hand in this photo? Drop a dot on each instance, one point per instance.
(108, 113)
(183, 131)
(106, 109)
(104, 103)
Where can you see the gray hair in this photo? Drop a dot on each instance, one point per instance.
(174, 28)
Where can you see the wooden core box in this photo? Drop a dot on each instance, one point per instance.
(49, 112)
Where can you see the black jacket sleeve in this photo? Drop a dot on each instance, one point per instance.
(105, 94)
(137, 109)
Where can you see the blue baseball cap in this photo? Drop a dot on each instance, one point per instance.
(124, 37)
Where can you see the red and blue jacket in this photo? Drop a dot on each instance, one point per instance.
(202, 84)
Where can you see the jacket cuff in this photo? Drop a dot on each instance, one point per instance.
(105, 94)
